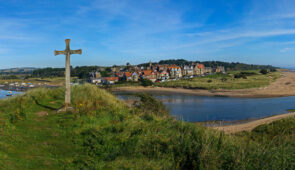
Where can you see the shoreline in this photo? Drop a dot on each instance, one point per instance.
(248, 126)
(210, 93)
(282, 87)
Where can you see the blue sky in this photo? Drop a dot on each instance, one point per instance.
(119, 31)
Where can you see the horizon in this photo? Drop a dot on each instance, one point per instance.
(153, 62)
(114, 32)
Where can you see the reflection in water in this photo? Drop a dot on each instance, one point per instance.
(201, 108)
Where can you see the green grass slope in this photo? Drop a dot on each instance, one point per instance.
(251, 79)
(104, 133)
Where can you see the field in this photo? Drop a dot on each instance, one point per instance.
(253, 79)
(54, 81)
(104, 133)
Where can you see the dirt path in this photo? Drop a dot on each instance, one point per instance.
(251, 125)
(283, 86)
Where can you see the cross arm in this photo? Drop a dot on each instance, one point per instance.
(76, 51)
(59, 52)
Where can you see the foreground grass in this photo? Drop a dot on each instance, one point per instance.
(224, 81)
(106, 134)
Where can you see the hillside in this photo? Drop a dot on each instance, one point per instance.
(227, 65)
(22, 70)
(104, 133)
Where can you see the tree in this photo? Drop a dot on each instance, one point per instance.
(146, 82)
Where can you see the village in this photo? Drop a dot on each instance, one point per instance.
(154, 73)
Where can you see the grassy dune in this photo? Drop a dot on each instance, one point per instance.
(225, 81)
(104, 133)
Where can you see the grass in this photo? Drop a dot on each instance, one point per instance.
(125, 83)
(54, 81)
(104, 133)
(225, 81)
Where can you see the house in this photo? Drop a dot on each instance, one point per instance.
(127, 76)
(207, 70)
(95, 80)
(188, 70)
(95, 77)
(162, 75)
(199, 69)
(110, 80)
(149, 74)
(135, 76)
(117, 69)
(175, 71)
(219, 69)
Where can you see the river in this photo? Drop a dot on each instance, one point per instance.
(200, 108)
(3, 93)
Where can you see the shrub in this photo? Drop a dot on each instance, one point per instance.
(273, 70)
(150, 105)
(146, 82)
(224, 79)
(263, 71)
(248, 73)
(18, 115)
(239, 75)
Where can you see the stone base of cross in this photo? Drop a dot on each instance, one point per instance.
(67, 52)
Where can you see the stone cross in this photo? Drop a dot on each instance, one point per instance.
(67, 52)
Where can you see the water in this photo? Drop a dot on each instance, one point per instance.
(199, 108)
(3, 93)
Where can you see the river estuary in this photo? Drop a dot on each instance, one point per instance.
(201, 108)
(3, 93)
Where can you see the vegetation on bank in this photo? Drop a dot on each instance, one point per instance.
(54, 81)
(229, 66)
(104, 133)
(83, 72)
(231, 80)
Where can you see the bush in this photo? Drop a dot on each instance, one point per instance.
(263, 71)
(248, 73)
(273, 70)
(224, 79)
(146, 82)
(239, 75)
(150, 105)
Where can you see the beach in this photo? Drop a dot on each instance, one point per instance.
(248, 126)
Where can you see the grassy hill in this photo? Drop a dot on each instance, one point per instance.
(251, 79)
(104, 133)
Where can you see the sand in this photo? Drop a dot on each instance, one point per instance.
(229, 129)
(283, 86)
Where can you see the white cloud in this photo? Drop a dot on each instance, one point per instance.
(285, 50)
